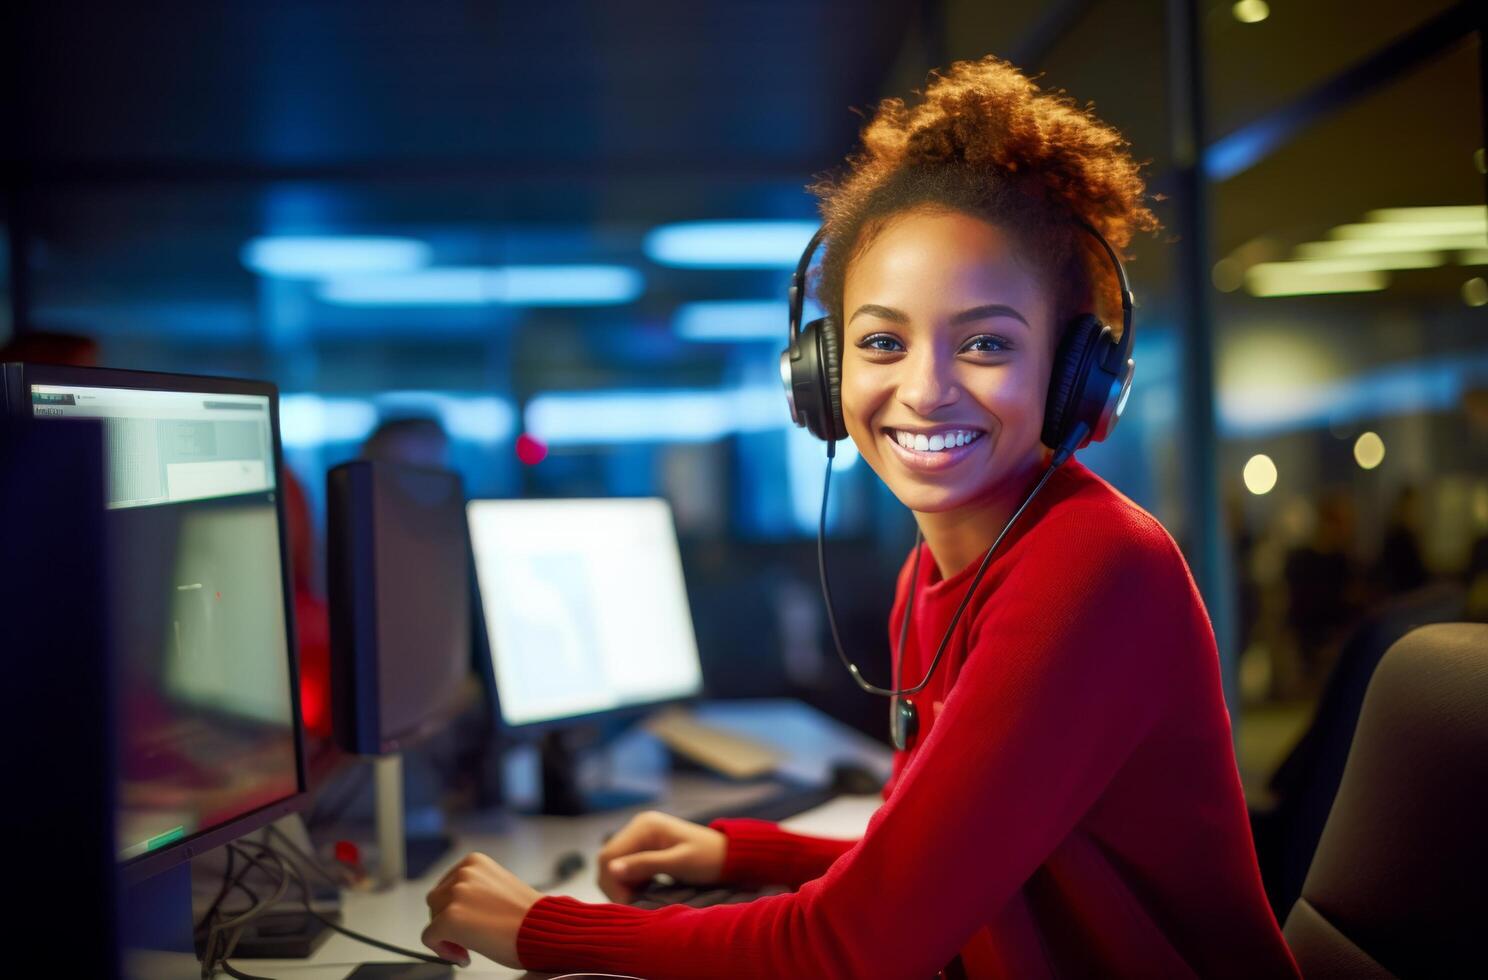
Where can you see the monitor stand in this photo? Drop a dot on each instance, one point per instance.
(155, 921)
(399, 856)
(562, 796)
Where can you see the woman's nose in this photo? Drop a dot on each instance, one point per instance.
(929, 383)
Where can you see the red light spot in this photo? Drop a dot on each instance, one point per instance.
(530, 450)
(348, 853)
(218, 595)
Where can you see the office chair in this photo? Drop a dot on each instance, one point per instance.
(1305, 784)
(1397, 886)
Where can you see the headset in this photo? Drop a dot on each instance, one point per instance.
(1088, 389)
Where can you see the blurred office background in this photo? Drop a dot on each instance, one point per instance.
(562, 232)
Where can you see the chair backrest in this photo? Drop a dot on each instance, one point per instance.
(1399, 883)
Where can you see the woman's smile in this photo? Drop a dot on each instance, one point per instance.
(934, 449)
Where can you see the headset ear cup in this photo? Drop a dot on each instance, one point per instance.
(1067, 381)
(831, 367)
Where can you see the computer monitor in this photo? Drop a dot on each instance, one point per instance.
(586, 615)
(585, 607)
(209, 740)
(398, 567)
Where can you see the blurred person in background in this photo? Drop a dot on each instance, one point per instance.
(416, 440)
(1324, 585)
(1400, 567)
(1072, 775)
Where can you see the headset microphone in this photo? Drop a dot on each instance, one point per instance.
(1088, 391)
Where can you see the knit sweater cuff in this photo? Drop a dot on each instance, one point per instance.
(760, 853)
(560, 933)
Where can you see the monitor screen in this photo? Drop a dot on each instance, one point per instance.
(206, 699)
(585, 607)
(398, 565)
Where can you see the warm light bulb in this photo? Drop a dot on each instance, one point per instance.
(1369, 450)
(1251, 11)
(1260, 474)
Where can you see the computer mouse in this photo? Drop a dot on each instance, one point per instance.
(855, 779)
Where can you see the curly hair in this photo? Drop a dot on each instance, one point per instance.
(984, 140)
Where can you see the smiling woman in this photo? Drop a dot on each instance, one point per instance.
(1067, 802)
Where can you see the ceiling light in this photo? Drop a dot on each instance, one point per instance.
(322, 256)
(566, 285)
(732, 320)
(1278, 280)
(1412, 229)
(1470, 213)
(729, 244)
(513, 285)
(1475, 292)
(1372, 246)
(1355, 263)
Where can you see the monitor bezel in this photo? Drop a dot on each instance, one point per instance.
(18, 381)
(486, 656)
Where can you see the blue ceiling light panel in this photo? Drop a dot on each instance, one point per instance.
(512, 285)
(729, 244)
(325, 256)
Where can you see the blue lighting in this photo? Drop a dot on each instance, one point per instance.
(1244, 148)
(455, 286)
(307, 421)
(1428, 385)
(320, 257)
(597, 418)
(567, 285)
(723, 321)
(512, 285)
(728, 320)
(729, 244)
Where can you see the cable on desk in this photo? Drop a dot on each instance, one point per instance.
(331, 924)
(211, 958)
(308, 859)
(233, 971)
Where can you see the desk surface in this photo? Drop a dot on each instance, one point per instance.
(529, 845)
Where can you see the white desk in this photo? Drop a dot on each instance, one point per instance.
(529, 845)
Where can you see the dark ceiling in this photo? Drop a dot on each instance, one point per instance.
(150, 140)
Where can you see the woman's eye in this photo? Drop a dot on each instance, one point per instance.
(881, 342)
(986, 344)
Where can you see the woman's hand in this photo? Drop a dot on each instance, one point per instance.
(478, 905)
(658, 843)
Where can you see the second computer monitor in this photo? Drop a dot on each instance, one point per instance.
(399, 573)
(585, 607)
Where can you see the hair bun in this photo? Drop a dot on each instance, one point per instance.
(986, 114)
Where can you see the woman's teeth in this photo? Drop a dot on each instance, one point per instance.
(933, 444)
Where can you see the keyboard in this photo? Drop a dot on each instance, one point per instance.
(662, 892)
(786, 802)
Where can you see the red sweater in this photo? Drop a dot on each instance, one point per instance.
(1071, 807)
